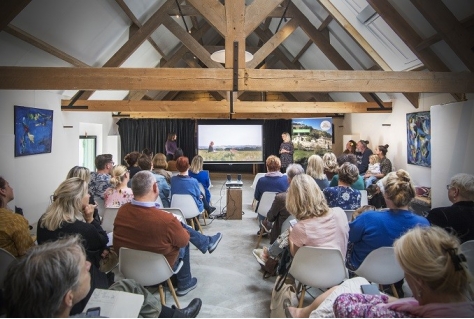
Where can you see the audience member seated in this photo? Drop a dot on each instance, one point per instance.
(330, 165)
(348, 158)
(350, 147)
(360, 210)
(100, 180)
(144, 162)
(202, 176)
(132, 162)
(278, 213)
(71, 213)
(172, 163)
(119, 193)
(343, 195)
(374, 229)
(435, 270)
(14, 230)
(84, 174)
(54, 277)
(458, 218)
(160, 165)
(273, 181)
(146, 151)
(141, 225)
(372, 171)
(315, 169)
(384, 163)
(363, 153)
(185, 184)
(318, 225)
(375, 196)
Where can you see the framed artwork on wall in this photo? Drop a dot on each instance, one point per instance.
(419, 139)
(33, 130)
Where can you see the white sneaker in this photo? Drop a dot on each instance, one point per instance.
(258, 254)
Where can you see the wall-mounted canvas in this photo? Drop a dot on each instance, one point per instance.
(419, 139)
(33, 130)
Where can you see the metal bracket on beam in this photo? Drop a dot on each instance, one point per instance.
(379, 109)
(75, 107)
(76, 97)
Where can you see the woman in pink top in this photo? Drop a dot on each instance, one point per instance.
(318, 225)
(119, 193)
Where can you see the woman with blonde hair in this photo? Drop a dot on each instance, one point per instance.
(201, 175)
(286, 151)
(330, 165)
(119, 193)
(315, 169)
(84, 174)
(436, 272)
(318, 225)
(70, 213)
(160, 165)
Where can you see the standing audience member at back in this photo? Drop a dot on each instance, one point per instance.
(330, 165)
(273, 181)
(14, 230)
(459, 217)
(363, 153)
(100, 180)
(160, 167)
(202, 176)
(343, 195)
(144, 162)
(119, 193)
(131, 160)
(348, 158)
(315, 169)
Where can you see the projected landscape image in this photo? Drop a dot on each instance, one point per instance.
(230, 143)
(311, 136)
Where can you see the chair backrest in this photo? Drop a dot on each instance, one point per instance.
(144, 267)
(265, 203)
(255, 180)
(100, 206)
(467, 249)
(318, 267)
(381, 267)
(176, 212)
(109, 219)
(186, 203)
(363, 198)
(5, 260)
(159, 201)
(349, 213)
(201, 188)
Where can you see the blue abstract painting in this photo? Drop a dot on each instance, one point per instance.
(33, 130)
(419, 139)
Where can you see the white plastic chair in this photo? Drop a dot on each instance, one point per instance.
(363, 198)
(349, 213)
(203, 192)
(254, 184)
(467, 248)
(100, 206)
(5, 260)
(381, 267)
(317, 267)
(109, 219)
(148, 269)
(188, 206)
(263, 207)
(177, 213)
(159, 201)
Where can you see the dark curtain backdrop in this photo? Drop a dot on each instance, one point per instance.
(136, 134)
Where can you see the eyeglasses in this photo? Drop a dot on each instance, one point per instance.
(448, 187)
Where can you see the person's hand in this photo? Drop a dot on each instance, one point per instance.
(88, 212)
(104, 253)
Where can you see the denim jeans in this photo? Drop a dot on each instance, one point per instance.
(205, 203)
(184, 274)
(197, 239)
(370, 180)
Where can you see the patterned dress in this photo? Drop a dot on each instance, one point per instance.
(286, 158)
(115, 198)
(344, 197)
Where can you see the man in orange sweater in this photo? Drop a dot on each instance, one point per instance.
(141, 225)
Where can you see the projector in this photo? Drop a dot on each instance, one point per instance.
(234, 184)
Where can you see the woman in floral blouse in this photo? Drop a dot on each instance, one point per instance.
(119, 193)
(343, 195)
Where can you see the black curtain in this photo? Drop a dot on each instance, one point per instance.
(137, 134)
(272, 130)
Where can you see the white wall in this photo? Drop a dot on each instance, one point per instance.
(452, 147)
(35, 177)
(370, 128)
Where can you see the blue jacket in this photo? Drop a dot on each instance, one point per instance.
(203, 178)
(187, 185)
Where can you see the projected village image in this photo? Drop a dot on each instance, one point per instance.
(230, 143)
(311, 136)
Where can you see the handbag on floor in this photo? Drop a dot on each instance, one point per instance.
(282, 291)
(270, 267)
